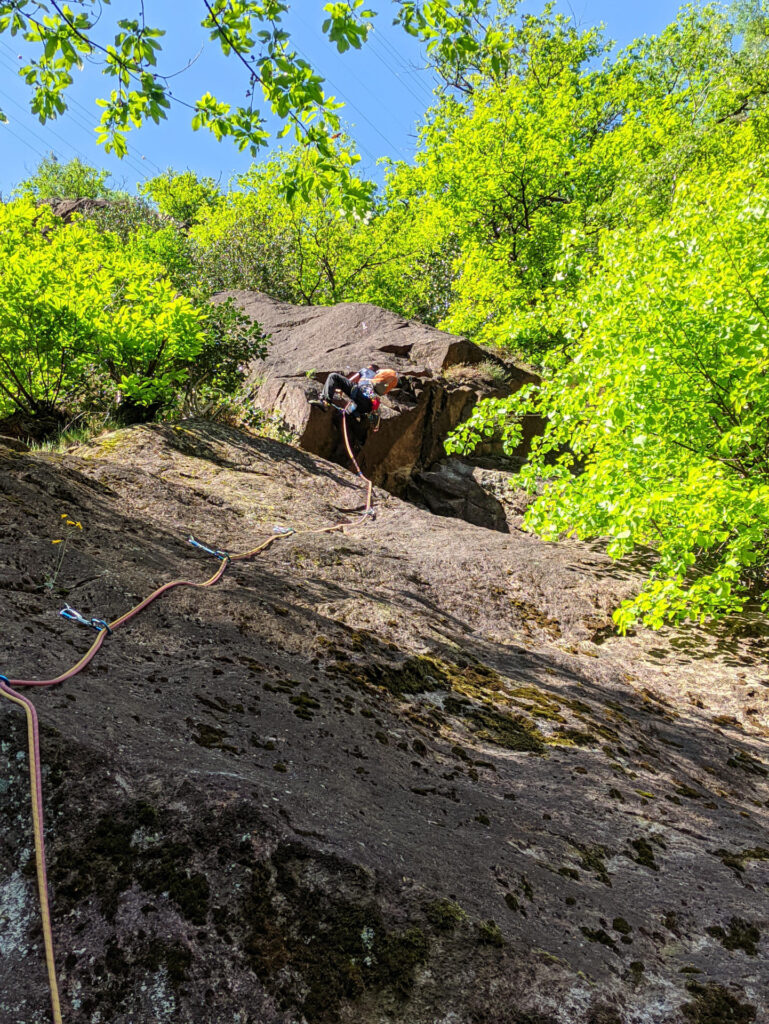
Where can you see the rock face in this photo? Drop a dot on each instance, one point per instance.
(401, 772)
(309, 342)
(479, 492)
(66, 209)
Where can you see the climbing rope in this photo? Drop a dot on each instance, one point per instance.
(36, 793)
(357, 467)
(103, 630)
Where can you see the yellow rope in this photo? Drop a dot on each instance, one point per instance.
(37, 817)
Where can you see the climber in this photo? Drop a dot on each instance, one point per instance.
(363, 390)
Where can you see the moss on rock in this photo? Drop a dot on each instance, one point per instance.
(715, 1004)
(315, 949)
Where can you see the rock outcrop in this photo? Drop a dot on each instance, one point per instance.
(398, 773)
(66, 209)
(309, 342)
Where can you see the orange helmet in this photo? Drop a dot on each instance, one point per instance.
(384, 381)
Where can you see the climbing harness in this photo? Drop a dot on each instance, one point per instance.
(103, 630)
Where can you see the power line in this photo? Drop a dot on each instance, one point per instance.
(43, 133)
(7, 128)
(354, 107)
(10, 99)
(376, 43)
(74, 105)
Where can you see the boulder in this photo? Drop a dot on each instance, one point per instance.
(457, 488)
(482, 491)
(66, 209)
(309, 342)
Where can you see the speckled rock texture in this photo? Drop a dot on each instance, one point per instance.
(398, 773)
(309, 342)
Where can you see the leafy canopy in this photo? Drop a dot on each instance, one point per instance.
(657, 421)
(73, 180)
(250, 32)
(90, 319)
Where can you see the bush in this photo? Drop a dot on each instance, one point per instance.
(73, 180)
(89, 321)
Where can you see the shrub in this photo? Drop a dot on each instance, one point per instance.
(88, 321)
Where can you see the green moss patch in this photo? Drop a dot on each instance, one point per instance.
(741, 935)
(316, 949)
(109, 861)
(592, 859)
(714, 1004)
(537, 703)
(489, 934)
(210, 737)
(748, 764)
(644, 854)
(418, 674)
(513, 732)
(444, 915)
(599, 935)
(736, 860)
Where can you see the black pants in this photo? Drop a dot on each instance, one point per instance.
(338, 382)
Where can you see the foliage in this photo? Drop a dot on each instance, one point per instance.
(658, 426)
(512, 167)
(69, 528)
(251, 32)
(73, 180)
(47, 339)
(182, 197)
(459, 35)
(611, 223)
(313, 250)
(87, 319)
(231, 342)
(125, 216)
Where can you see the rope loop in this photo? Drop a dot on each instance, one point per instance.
(209, 551)
(101, 624)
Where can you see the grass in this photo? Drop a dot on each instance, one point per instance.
(489, 371)
(72, 436)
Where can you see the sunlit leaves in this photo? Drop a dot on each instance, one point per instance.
(347, 24)
(665, 403)
(275, 77)
(80, 313)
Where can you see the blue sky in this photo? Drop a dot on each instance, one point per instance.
(384, 87)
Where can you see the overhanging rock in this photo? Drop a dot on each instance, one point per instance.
(309, 342)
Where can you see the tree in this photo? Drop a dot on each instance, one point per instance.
(315, 250)
(657, 429)
(73, 180)
(90, 319)
(252, 32)
(182, 196)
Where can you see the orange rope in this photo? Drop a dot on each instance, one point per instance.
(357, 467)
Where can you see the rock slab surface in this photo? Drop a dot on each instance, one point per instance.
(401, 772)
